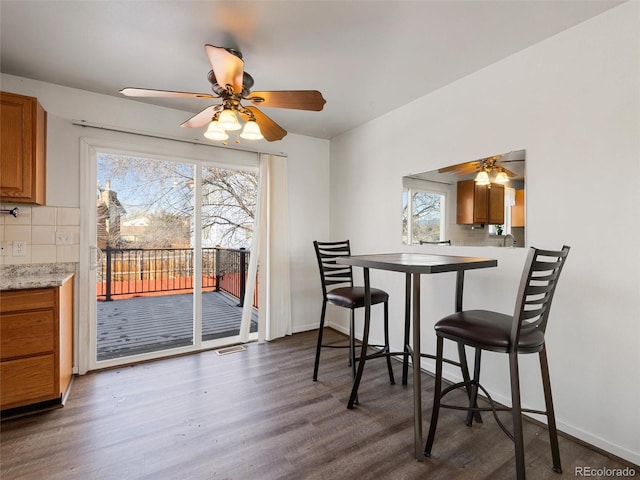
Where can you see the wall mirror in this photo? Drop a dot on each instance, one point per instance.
(475, 203)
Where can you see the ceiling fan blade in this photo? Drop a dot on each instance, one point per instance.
(202, 118)
(296, 99)
(460, 167)
(227, 68)
(147, 92)
(270, 129)
(509, 172)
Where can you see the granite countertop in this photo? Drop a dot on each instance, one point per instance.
(19, 277)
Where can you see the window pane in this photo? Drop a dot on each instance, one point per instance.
(405, 214)
(426, 217)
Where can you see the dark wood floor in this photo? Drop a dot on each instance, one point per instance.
(147, 324)
(257, 415)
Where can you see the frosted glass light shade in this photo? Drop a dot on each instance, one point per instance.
(251, 131)
(214, 132)
(501, 177)
(228, 120)
(482, 178)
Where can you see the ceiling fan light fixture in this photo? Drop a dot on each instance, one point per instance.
(215, 132)
(482, 178)
(228, 120)
(501, 177)
(251, 131)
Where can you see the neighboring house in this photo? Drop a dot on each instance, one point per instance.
(151, 231)
(110, 210)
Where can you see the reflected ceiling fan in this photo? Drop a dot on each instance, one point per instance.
(489, 165)
(231, 84)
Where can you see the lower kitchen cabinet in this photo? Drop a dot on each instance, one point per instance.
(36, 345)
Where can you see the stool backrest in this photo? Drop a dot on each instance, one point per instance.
(441, 242)
(537, 287)
(330, 272)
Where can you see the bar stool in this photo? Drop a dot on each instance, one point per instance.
(338, 289)
(520, 333)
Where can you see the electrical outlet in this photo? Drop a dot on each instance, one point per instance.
(19, 248)
(63, 238)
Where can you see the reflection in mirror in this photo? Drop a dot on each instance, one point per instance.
(476, 203)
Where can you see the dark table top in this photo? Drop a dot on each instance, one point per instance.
(417, 262)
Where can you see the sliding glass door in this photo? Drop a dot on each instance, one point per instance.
(171, 253)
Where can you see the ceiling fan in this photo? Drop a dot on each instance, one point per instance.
(489, 164)
(231, 84)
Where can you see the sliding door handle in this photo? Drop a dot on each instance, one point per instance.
(96, 256)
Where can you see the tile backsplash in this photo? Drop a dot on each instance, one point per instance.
(48, 235)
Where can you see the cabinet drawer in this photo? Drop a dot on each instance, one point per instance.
(21, 300)
(29, 333)
(27, 380)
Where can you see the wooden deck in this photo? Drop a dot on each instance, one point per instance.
(146, 324)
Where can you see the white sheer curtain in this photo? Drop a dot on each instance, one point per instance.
(270, 250)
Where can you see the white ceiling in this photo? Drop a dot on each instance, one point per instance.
(366, 57)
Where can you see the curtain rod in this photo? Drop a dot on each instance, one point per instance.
(84, 123)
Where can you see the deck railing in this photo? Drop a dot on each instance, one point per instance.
(148, 271)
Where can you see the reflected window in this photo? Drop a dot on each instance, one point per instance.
(423, 218)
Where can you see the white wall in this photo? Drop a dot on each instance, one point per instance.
(308, 169)
(573, 102)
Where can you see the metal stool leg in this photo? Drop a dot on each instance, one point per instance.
(352, 343)
(387, 347)
(473, 397)
(436, 398)
(319, 346)
(464, 366)
(353, 399)
(551, 418)
(516, 412)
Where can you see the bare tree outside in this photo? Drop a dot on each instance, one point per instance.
(229, 201)
(151, 201)
(425, 216)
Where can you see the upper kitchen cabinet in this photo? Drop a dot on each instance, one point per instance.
(480, 204)
(23, 152)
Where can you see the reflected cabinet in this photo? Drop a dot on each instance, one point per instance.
(480, 204)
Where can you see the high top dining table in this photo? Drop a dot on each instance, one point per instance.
(413, 265)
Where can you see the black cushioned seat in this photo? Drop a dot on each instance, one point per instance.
(353, 297)
(488, 330)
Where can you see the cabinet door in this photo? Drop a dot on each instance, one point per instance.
(496, 204)
(464, 201)
(22, 156)
(471, 203)
(28, 380)
(481, 200)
